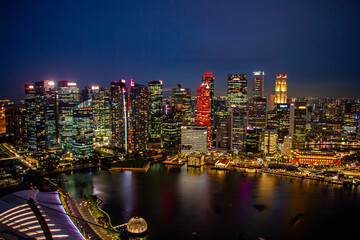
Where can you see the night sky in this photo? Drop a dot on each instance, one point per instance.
(315, 42)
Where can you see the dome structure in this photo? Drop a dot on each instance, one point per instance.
(137, 226)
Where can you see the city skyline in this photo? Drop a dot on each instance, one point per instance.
(315, 44)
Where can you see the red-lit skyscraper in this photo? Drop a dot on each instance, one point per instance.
(203, 106)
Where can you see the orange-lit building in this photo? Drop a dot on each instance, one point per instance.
(281, 88)
(315, 156)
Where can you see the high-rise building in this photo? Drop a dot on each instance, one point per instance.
(30, 118)
(138, 123)
(238, 129)
(172, 122)
(271, 105)
(258, 84)
(83, 145)
(280, 119)
(237, 91)
(181, 98)
(119, 118)
(68, 98)
(203, 106)
(270, 141)
(209, 77)
(224, 134)
(102, 113)
(253, 140)
(298, 114)
(193, 139)
(41, 118)
(257, 113)
(281, 89)
(16, 125)
(155, 108)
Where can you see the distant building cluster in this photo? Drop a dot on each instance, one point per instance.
(133, 118)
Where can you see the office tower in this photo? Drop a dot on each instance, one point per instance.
(257, 113)
(119, 119)
(253, 140)
(270, 141)
(238, 129)
(16, 125)
(155, 108)
(280, 119)
(30, 118)
(83, 145)
(41, 118)
(68, 98)
(181, 98)
(193, 139)
(102, 113)
(221, 112)
(224, 135)
(281, 89)
(237, 91)
(271, 105)
(258, 84)
(2, 120)
(203, 106)
(287, 146)
(209, 77)
(138, 123)
(172, 122)
(298, 114)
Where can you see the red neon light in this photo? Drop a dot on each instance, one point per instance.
(208, 74)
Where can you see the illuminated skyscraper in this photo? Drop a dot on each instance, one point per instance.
(155, 108)
(172, 129)
(298, 113)
(101, 111)
(30, 118)
(258, 84)
(68, 98)
(208, 76)
(257, 113)
(181, 98)
(281, 89)
(203, 106)
(138, 124)
(119, 110)
(238, 129)
(237, 91)
(41, 118)
(83, 145)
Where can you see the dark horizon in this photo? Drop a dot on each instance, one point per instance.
(316, 43)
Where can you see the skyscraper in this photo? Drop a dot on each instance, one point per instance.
(298, 113)
(155, 108)
(203, 106)
(138, 124)
(257, 113)
(281, 89)
(238, 129)
(83, 145)
(172, 122)
(258, 84)
(68, 98)
(237, 91)
(208, 76)
(181, 98)
(101, 111)
(41, 118)
(119, 119)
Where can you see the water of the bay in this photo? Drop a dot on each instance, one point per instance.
(194, 203)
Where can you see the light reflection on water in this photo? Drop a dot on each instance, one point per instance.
(177, 201)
